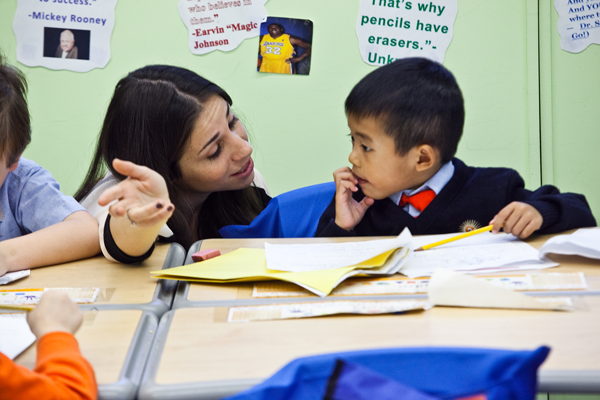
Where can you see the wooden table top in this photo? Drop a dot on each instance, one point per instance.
(201, 346)
(118, 283)
(104, 339)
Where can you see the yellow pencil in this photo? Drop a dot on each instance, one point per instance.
(17, 307)
(458, 237)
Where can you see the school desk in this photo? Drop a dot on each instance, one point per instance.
(198, 355)
(188, 294)
(116, 343)
(120, 325)
(121, 285)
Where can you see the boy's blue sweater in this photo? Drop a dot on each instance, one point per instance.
(470, 199)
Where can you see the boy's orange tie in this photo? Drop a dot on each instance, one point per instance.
(419, 200)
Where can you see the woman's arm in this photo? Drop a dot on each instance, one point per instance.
(141, 207)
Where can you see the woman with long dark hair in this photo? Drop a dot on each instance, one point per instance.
(188, 162)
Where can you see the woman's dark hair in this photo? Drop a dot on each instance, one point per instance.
(149, 122)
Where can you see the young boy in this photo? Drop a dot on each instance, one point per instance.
(406, 119)
(38, 224)
(60, 372)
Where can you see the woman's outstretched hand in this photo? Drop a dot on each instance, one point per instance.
(141, 207)
(142, 198)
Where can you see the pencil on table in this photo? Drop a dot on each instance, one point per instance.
(16, 307)
(458, 237)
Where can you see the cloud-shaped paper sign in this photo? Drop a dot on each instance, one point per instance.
(392, 29)
(578, 23)
(61, 34)
(221, 24)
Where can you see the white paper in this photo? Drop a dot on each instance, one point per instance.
(392, 29)
(578, 23)
(492, 257)
(361, 287)
(322, 256)
(393, 264)
(583, 242)
(15, 335)
(308, 310)
(33, 296)
(221, 24)
(449, 288)
(40, 25)
(13, 276)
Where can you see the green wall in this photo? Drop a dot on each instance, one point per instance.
(530, 105)
(570, 114)
(297, 124)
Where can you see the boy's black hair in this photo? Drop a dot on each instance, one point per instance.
(417, 101)
(15, 125)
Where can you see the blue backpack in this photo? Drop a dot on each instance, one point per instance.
(420, 373)
(290, 215)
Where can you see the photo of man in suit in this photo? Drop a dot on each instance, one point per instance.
(66, 48)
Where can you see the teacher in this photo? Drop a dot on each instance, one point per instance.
(188, 162)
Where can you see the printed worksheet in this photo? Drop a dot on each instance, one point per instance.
(309, 310)
(482, 258)
(32, 296)
(322, 256)
(15, 335)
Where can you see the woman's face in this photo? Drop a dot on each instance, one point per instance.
(217, 155)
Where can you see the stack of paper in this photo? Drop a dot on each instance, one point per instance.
(584, 242)
(319, 268)
(483, 253)
(316, 267)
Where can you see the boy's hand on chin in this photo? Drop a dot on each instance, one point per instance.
(348, 212)
(520, 219)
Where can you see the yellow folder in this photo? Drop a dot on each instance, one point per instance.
(251, 265)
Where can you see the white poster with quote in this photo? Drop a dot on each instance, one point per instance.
(578, 23)
(64, 34)
(221, 25)
(391, 29)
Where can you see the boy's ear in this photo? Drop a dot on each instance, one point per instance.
(14, 165)
(428, 157)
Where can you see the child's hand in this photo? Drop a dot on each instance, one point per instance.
(142, 197)
(518, 218)
(55, 312)
(348, 212)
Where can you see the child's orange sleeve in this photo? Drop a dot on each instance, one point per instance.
(61, 372)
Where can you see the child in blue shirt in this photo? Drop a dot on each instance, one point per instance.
(406, 119)
(38, 224)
